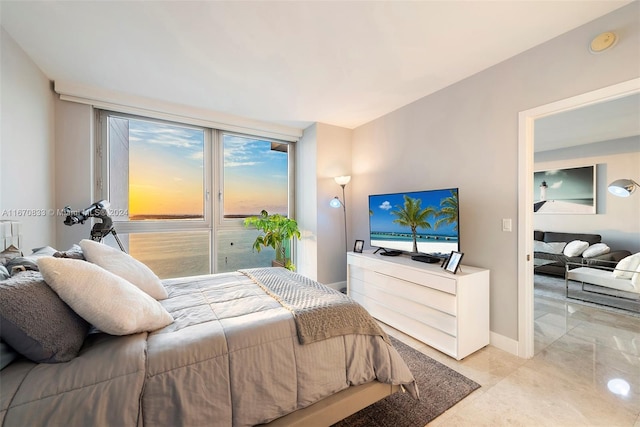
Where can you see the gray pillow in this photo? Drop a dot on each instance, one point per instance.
(4, 273)
(8, 254)
(36, 323)
(7, 354)
(74, 252)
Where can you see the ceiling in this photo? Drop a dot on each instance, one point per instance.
(603, 121)
(290, 62)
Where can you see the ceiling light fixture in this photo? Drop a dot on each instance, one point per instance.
(602, 42)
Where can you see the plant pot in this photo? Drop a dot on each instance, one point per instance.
(277, 263)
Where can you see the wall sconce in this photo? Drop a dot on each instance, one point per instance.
(623, 187)
(342, 181)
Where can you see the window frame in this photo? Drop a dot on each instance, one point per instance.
(212, 186)
(102, 178)
(231, 223)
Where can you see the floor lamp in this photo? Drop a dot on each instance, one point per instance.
(342, 181)
(623, 187)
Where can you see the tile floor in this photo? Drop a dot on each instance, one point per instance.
(579, 350)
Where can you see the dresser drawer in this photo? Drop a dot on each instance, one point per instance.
(368, 281)
(410, 326)
(433, 278)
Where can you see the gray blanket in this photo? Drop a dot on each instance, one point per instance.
(230, 358)
(319, 312)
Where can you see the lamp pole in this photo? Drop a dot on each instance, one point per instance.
(344, 213)
(336, 202)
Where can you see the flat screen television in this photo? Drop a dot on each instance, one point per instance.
(419, 222)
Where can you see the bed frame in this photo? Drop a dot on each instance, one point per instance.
(337, 407)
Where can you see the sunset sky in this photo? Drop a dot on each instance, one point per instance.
(256, 177)
(166, 167)
(166, 172)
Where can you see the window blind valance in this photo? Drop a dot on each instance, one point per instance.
(132, 104)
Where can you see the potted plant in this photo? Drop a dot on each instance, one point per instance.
(277, 232)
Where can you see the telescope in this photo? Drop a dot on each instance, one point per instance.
(97, 210)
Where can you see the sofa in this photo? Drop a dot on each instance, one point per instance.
(553, 250)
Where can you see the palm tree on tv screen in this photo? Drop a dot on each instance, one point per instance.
(413, 216)
(448, 213)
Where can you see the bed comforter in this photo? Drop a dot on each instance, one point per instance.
(231, 357)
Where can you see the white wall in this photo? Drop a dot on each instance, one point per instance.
(75, 167)
(466, 136)
(26, 146)
(617, 219)
(334, 159)
(306, 203)
(323, 153)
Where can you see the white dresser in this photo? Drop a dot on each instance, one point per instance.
(449, 312)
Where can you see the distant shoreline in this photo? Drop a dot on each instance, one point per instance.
(161, 216)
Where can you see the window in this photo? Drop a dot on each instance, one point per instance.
(255, 176)
(156, 170)
(157, 176)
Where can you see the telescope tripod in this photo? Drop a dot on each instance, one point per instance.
(103, 229)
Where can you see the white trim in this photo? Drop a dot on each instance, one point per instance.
(504, 343)
(337, 285)
(525, 197)
(132, 104)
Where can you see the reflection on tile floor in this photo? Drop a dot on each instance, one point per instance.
(585, 372)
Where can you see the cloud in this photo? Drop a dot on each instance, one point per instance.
(385, 206)
(556, 185)
(163, 134)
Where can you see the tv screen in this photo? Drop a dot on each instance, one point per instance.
(423, 222)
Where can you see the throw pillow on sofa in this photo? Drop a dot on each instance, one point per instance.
(596, 250)
(575, 248)
(549, 247)
(635, 279)
(627, 266)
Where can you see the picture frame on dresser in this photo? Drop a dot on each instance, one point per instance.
(453, 262)
(358, 246)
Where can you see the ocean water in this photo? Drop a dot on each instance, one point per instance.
(186, 253)
(426, 243)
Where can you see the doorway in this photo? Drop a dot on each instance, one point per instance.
(525, 199)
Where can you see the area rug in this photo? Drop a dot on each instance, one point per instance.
(440, 388)
(554, 288)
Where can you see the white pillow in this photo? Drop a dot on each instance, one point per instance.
(548, 247)
(629, 265)
(635, 280)
(575, 248)
(103, 299)
(595, 250)
(125, 266)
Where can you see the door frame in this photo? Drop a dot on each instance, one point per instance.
(526, 121)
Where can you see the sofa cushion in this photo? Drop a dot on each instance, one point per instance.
(627, 266)
(552, 236)
(596, 250)
(549, 248)
(575, 248)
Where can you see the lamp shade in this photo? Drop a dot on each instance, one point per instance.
(335, 203)
(342, 180)
(622, 187)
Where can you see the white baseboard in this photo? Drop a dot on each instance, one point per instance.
(337, 285)
(504, 343)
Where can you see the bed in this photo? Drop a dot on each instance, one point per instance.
(261, 346)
